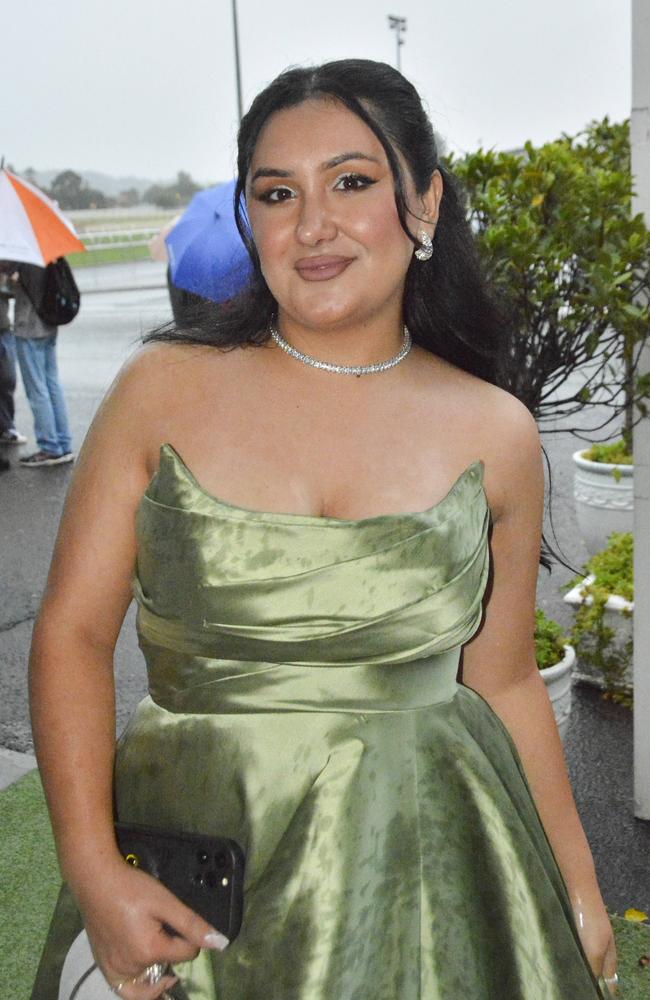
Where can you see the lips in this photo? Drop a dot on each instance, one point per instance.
(321, 268)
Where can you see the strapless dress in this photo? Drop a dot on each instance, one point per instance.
(303, 700)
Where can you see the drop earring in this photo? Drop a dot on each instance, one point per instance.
(425, 250)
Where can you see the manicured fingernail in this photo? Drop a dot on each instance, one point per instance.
(216, 940)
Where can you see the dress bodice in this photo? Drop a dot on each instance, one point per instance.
(219, 582)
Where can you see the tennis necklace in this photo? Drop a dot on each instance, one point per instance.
(327, 366)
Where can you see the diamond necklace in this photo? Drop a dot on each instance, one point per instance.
(327, 366)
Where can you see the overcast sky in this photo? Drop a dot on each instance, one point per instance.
(146, 87)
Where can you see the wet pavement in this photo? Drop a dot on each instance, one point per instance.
(91, 350)
(143, 275)
(599, 753)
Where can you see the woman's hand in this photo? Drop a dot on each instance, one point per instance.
(125, 914)
(596, 935)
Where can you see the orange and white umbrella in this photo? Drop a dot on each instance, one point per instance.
(33, 230)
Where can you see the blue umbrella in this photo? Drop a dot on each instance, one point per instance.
(206, 252)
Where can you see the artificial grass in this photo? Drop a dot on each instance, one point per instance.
(29, 877)
(632, 941)
(108, 255)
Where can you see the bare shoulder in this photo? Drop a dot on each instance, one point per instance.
(159, 393)
(507, 421)
(157, 363)
(512, 450)
(492, 424)
(137, 395)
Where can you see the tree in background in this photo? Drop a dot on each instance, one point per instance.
(172, 195)
(71, 191)
(128, 198)
(572, 267)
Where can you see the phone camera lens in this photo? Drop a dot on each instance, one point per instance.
(203, 857)
(221, 860)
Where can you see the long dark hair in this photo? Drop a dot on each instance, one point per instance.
(447, 306)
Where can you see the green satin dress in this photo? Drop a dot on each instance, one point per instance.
(304, 701)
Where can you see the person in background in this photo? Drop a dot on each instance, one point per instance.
(36, 351)
(8, 432)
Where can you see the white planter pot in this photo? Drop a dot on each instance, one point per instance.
(558, 679)
(603, 504)
(621, 623)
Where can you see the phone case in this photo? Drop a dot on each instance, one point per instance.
(205, 872)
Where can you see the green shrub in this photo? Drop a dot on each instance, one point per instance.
(571, 264)
(596, 643)
(613, 567)
(614, 453)
(550, 641)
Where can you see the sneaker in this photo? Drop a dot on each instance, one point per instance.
(41, 458)
(12, 436)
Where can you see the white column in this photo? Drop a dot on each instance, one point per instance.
(640, 137)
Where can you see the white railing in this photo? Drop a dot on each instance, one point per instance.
(118, 239)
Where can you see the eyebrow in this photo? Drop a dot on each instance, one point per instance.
(336, 161)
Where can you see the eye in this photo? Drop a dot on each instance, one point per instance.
(354, 182)
(274, 196)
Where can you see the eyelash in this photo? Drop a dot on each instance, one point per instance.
(362, 181)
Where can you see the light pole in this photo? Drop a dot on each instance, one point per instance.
(237, 66)
(398, 25)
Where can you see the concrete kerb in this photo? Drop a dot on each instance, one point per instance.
(124, 277)
(14, 765)
(124, 288)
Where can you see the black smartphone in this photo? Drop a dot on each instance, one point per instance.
(205, 872)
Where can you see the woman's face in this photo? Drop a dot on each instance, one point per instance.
(321, 202)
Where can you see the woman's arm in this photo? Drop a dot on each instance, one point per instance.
(499, 663)
(72, 691)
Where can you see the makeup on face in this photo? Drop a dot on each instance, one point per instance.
(321, 202)
(321, 267)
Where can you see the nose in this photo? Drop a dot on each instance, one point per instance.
(316, 222)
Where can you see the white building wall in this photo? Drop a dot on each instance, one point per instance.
(640, 137)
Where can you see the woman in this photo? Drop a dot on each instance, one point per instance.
(307, 573)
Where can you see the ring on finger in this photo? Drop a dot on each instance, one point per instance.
(153, 973)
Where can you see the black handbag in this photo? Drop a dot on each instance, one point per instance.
(205, 872)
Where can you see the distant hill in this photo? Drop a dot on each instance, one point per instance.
(110, 185)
